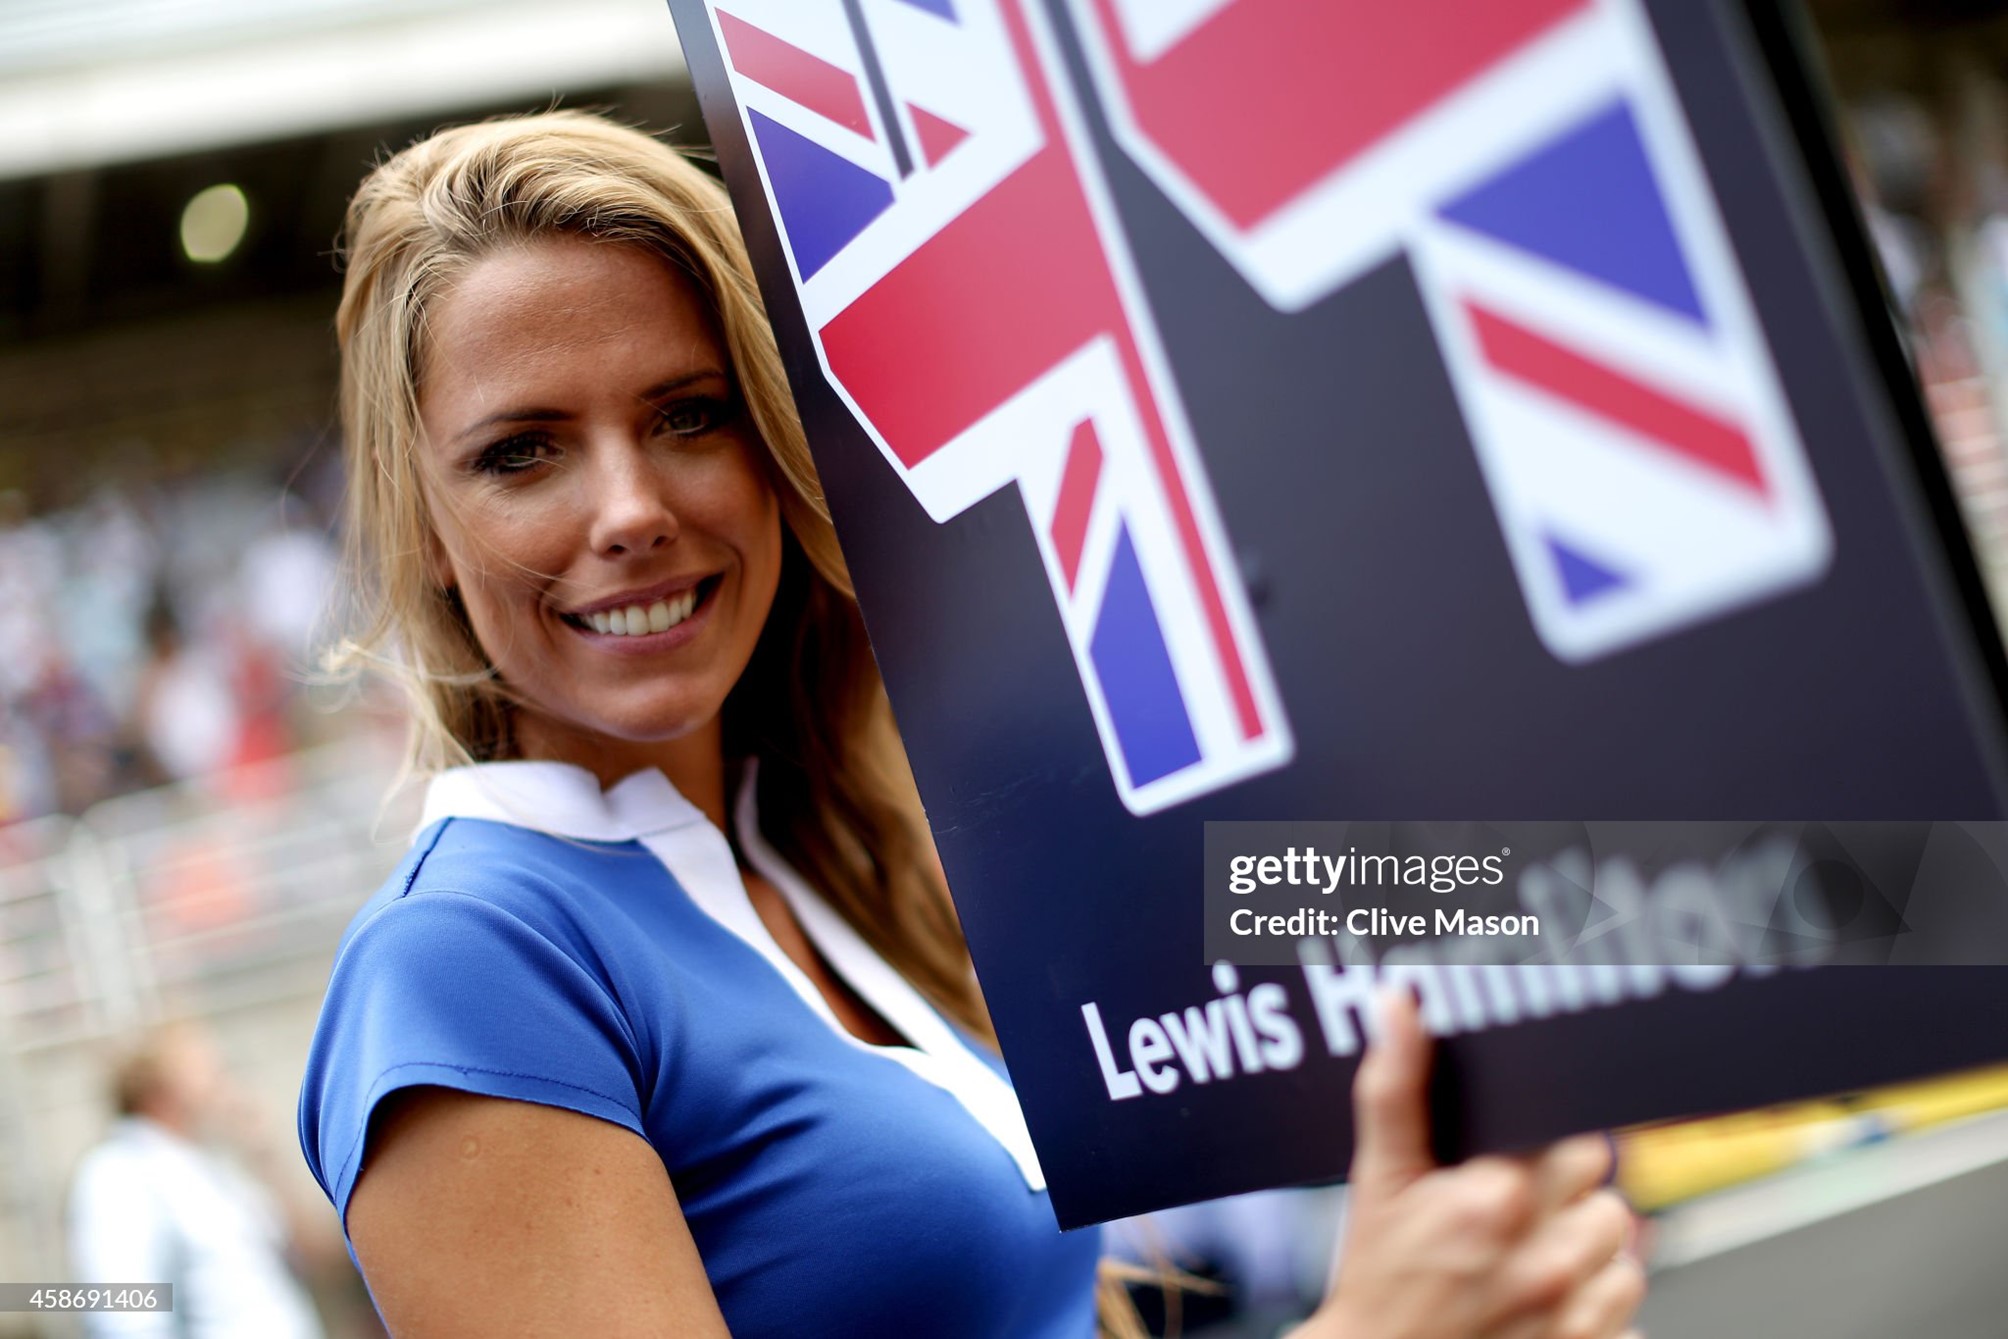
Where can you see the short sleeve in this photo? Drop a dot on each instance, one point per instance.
(449, 989)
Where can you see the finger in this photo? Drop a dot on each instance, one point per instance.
(1570, 1248)
(1391, 1102)
(1569, 1170)
(1488, 1200)
(1605, 1305)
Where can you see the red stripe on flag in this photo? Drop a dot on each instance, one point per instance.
(938, 135)
(1031, 284)
(796, 75)
(1296, 89)
(1674, 425)
(1077, 498)
(979, 311)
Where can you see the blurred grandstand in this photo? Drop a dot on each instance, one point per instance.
(186, 824)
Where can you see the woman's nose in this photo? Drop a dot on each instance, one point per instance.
(631, 511)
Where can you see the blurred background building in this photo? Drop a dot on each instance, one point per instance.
(187, 823)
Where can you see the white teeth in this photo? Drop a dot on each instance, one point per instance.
(636, 620)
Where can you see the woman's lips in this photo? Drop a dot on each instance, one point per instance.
(651, 626)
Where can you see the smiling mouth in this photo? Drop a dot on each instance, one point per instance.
(640, 620)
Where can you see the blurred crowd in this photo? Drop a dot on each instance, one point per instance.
(158, 633)
(1932, 182)
(1939, 219)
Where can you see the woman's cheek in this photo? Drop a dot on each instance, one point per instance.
(520, 555)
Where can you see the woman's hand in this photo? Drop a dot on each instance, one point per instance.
(1496, 1248)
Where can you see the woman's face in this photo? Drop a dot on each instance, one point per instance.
(598, 491)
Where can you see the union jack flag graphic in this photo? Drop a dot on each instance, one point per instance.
(1532, 160)
(974, 303)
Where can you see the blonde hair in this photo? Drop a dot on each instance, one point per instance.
(836, 798)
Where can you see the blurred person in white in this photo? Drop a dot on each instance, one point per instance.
(110, 566)
(188, 713)
(155, 1203)
(30, 573)
(31, 569)
(284, 580)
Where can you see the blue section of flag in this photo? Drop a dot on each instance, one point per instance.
(941, 7)
(1583, 578)
(1588, 200)
(1137, 679)
(824, 200)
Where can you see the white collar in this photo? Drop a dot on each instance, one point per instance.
(566, 801)
(561, 799)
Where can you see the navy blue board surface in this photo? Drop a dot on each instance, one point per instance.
(1428, 618)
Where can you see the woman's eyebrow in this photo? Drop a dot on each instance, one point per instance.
(664, 389)
(659, 391)
(509, 416)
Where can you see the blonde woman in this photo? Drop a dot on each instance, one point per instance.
(665, 1026)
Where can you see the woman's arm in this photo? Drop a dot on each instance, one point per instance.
(481, 1216)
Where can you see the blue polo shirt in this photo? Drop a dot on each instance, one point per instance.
(548, 942)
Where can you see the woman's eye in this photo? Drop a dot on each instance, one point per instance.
(696, 417)
(513, 455)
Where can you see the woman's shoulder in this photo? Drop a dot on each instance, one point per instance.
(483, 964)
(468, 869)
(489, 856)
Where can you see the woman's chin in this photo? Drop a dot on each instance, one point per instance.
(595, 738)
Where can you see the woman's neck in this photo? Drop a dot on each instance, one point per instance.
(694, 763)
